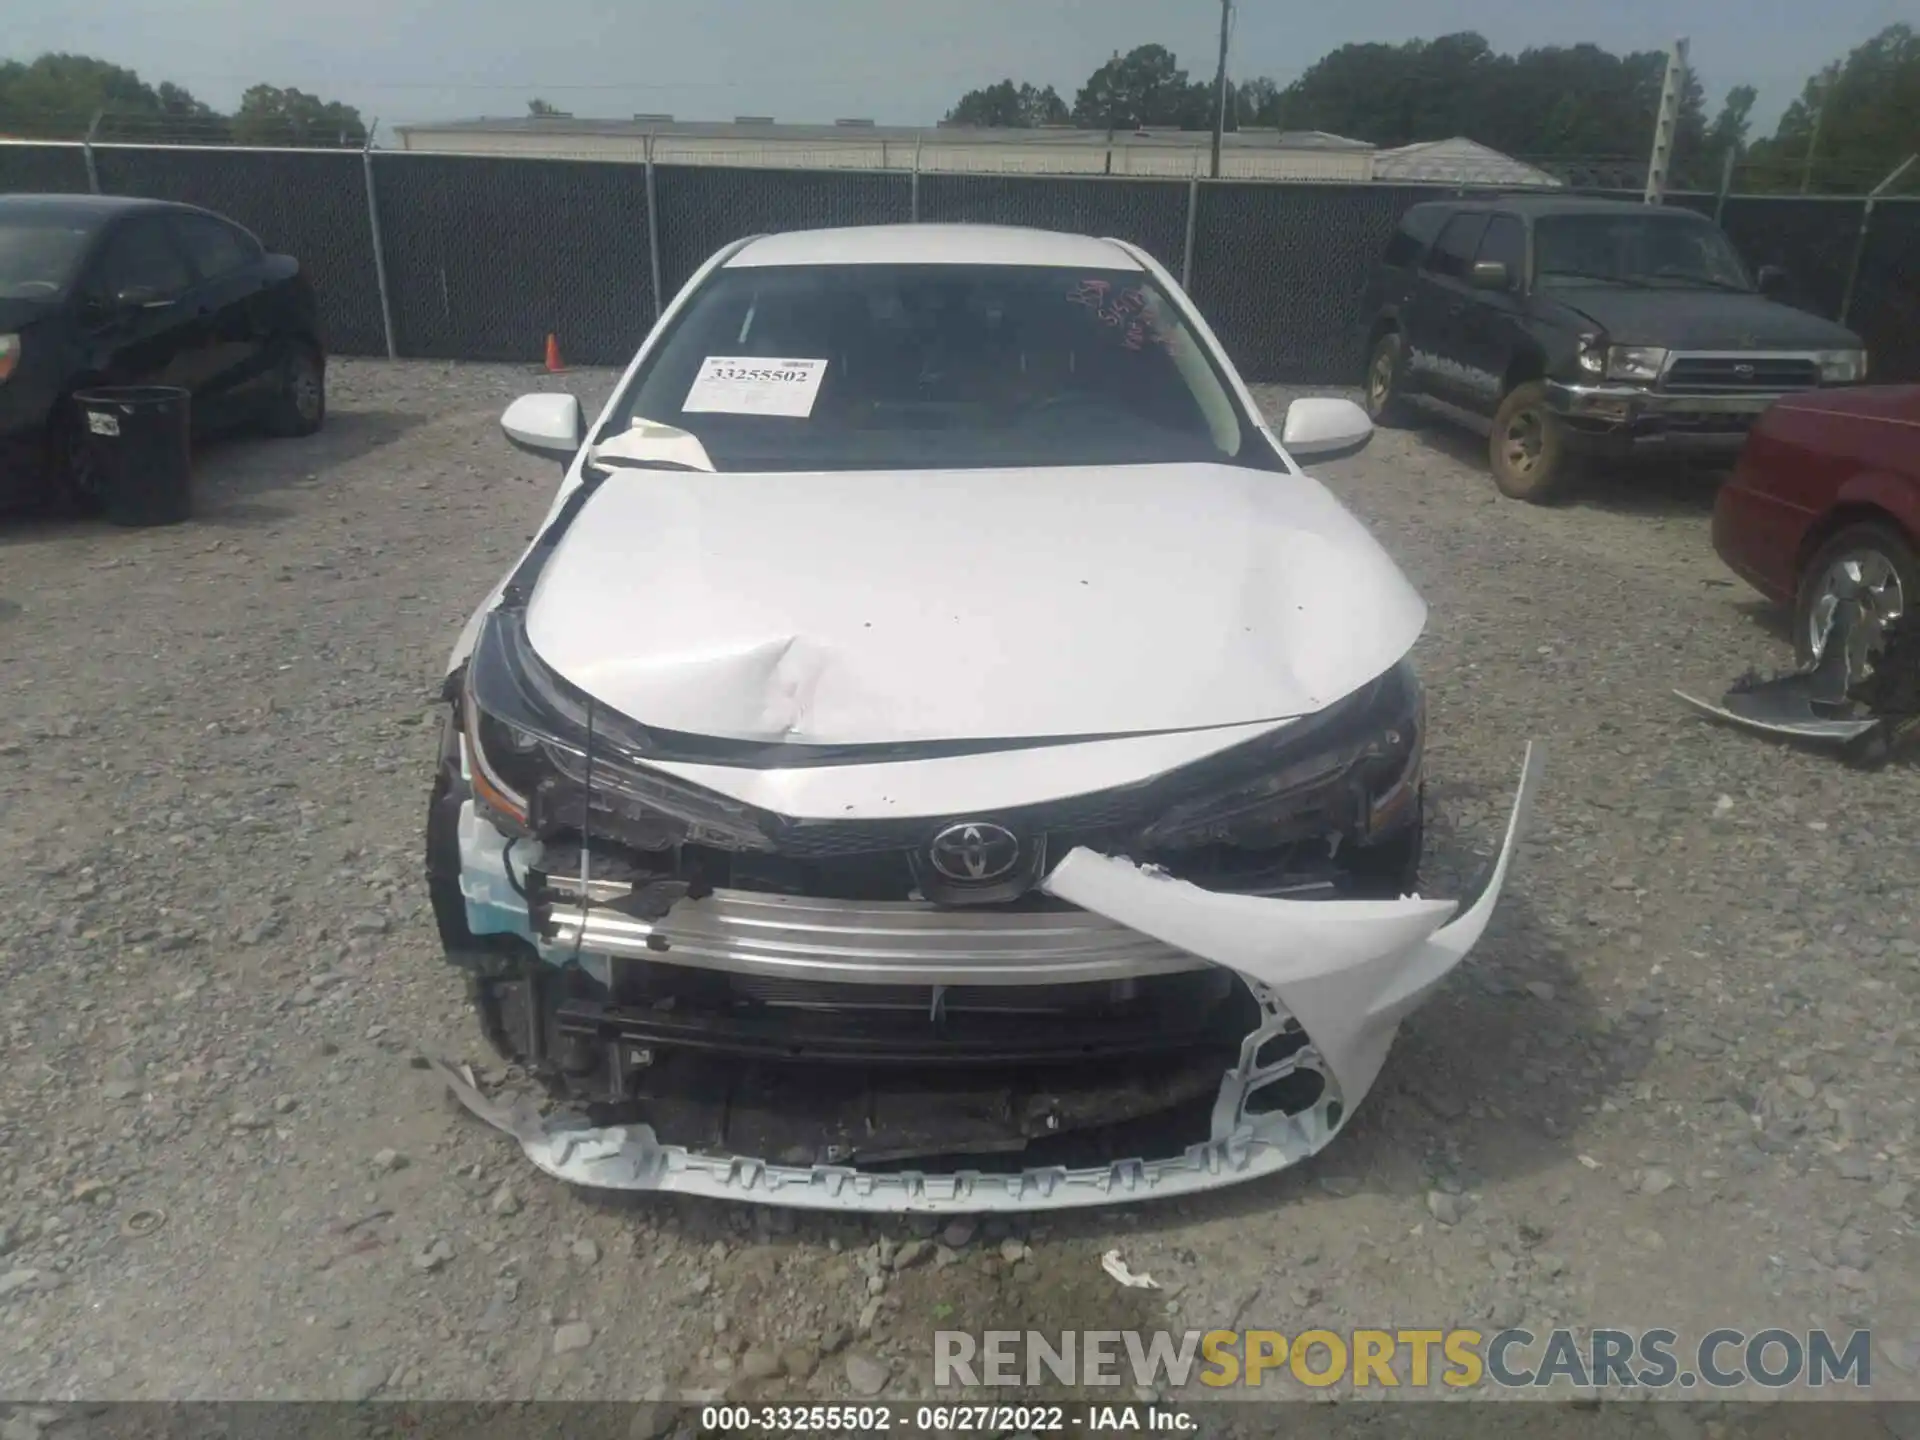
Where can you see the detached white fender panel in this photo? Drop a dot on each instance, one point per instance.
(1348, 971)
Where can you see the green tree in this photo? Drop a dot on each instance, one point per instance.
(1006, 106)
(1562, 100)
(1144, 87)
(1729, 128)
(1257, 102)
(57, 95)
(269, 115)
(1868, 104)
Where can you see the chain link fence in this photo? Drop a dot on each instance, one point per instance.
(701, 208)
(481, 257)
(1150, 213)
(54, 169)
(487, 256)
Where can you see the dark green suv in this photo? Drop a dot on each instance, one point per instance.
(1564, 326)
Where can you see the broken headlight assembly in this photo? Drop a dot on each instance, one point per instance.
(544, 758)
(1354, 767)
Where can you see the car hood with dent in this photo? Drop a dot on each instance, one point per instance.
(1681, 319)
(881, 607)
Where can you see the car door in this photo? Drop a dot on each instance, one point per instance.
(128, 304)
(227, 298)
(1490, 328)
(1441, 299)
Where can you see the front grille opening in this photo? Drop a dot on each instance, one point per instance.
(1302, 869)
(997, 1078)
(1294, 1093)
(1279, 1048)
(1731, 375)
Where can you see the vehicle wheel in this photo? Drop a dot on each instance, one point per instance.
(1526, 449)
(300, 405)
(1873, 559)
(1386, 402)
(74, 483)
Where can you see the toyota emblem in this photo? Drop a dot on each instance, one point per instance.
(1745, 372)
(974, 851)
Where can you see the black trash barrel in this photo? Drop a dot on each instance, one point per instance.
(138, 439)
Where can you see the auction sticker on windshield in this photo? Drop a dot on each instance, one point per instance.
(755, 385)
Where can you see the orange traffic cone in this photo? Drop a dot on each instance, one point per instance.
(554, 362)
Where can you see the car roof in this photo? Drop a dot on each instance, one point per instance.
(1536, 206)
(934, 245)
(88, 211)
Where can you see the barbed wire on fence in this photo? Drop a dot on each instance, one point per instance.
(107, 127)
(1163, 156)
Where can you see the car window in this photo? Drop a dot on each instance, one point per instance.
(1410, 239)
(938, 367)
(215, 247)
(1652, 250)
(1453, 252)
(1505, 241)
(140, 257)
(39, 255)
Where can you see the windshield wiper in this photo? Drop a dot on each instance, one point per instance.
(1585, 275)
(628, 462)
(1705, 281)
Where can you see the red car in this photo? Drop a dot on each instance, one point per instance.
(1826, 497)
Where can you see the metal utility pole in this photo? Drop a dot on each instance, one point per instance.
(1845, 316)
(1668, 121)
(1220, 88)
(1726, 181)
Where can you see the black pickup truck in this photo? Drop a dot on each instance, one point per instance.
(1566, 326)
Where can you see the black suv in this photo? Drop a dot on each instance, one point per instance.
(1570, 325)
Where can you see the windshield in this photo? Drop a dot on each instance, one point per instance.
(828, 367)
(38, 256)
(1657, 250)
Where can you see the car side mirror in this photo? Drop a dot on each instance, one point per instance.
(1773, 280)
(1323, 428)
(550, 426)
(1491, 275)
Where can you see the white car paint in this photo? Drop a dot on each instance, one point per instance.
(874, 607)
(935, 245)
(544, 423)
(1020, 246)
(791, 658)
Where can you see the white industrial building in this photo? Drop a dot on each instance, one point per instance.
(759, 142)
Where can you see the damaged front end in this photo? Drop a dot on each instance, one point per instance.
(1162, 986)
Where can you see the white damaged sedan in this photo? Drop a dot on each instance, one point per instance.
(939, 752)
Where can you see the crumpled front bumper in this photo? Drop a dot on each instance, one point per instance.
(1344, 972)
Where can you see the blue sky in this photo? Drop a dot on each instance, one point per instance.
(895, 61)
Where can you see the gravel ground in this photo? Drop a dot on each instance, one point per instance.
(1676, 1086)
